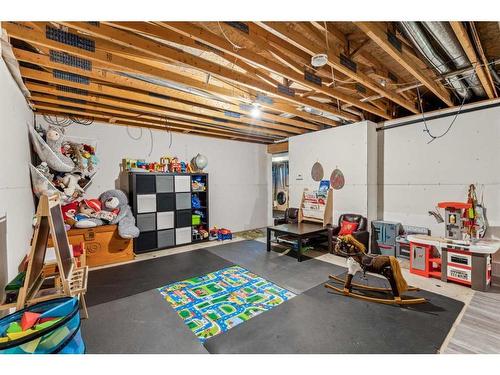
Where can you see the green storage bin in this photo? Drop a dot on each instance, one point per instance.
(196, 219)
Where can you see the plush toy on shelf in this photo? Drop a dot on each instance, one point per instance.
(55, 140)
(50, 151)
(70, 184)
(44, 169)
(68, 163)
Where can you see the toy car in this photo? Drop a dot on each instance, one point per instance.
(224, 234)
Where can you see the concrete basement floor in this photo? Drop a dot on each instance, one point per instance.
(461, 339)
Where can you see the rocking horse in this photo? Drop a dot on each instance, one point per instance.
(387, 266)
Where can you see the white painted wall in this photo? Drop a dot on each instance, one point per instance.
(350, 148)
(237, 170)
(417, 175)
(16, 201)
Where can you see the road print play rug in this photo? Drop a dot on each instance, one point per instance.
(218, 301)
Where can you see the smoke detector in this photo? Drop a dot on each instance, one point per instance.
(319, 60)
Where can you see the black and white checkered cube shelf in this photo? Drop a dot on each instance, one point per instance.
(161, 203)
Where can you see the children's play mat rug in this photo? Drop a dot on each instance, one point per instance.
(218, 301)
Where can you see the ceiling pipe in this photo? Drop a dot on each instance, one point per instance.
(494, 74)
(447, 40)
(469, 69)
(417, 36)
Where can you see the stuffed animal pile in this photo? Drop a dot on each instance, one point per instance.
(111, 208)
(66, 168)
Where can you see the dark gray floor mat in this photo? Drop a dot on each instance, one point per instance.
(113, 283)
(318, 321)
(142, 323)
(127, 314)
(283, 270)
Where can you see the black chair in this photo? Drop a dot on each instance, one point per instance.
(291, 215)
(361, 233)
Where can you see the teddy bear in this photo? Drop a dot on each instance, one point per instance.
(115, 201)
(55, 140)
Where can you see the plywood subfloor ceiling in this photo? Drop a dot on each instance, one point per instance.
(247, 81)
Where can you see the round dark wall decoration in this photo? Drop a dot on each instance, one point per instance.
(317, 172)
(337, 180)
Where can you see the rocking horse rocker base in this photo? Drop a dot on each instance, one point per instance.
(388, 301)
(386, 266)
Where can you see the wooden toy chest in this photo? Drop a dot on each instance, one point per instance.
(103, 245)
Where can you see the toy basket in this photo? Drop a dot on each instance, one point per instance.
(41, 185)
(63, 337)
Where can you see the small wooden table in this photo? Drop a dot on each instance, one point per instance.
(299, 231)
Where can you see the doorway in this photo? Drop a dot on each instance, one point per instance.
(280, 185)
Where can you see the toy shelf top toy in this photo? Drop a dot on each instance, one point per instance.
(456, 205)
(316, 206)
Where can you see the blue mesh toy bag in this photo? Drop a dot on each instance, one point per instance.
(57, 329)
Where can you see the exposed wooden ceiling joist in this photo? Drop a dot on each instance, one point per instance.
(213, 40)
(203, 77)
(150, 47)
(118, 63)
(43, 108)
(335, 61)
(362, 55)
(463, 38)
(149, 108)
(163, 94)
(379, 35)
(163, 104)
(226, 102)
(114, 112)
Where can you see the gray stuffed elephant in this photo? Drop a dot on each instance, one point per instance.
(116, 203)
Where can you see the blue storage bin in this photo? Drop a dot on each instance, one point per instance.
(63, 337)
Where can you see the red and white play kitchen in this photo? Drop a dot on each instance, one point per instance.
(459, 257)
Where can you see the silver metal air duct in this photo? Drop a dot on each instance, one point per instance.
(494, 74)
(415, 33)
(444, 35)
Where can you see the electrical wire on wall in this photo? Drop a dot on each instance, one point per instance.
(57, 120)
(151, 138)
(426, 128)
(169, 134)
(64, 120)
(81, 120)
(140, 136)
